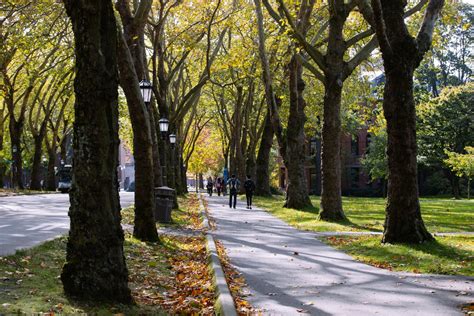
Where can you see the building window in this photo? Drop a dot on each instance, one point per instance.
(355, 145)
(354, 177)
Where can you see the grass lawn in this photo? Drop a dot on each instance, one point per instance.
(446, 255)
(170, 277)
(368, 214)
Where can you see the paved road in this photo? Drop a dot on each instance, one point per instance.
(27, 220)
(290, 272)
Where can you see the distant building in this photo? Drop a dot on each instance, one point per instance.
(354, 181)
(126, 169)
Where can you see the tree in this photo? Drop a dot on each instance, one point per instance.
(462, 165)
(95, 265)
(132, 67)
(446, 123)
(401, 55)
(292, 145)
(375, 158)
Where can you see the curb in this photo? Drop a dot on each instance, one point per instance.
(224, 301)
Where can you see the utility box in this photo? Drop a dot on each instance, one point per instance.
(164, 197)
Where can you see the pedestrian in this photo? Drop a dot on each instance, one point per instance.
(249, 187)
(234, 185)
(210, 186)
(219, 186)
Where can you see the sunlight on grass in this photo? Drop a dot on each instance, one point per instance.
(445, 255)
(368, 214)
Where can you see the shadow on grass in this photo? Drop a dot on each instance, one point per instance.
(348, 223)
(438, 256)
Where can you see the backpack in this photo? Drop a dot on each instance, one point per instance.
(234, 185)
(249, 185)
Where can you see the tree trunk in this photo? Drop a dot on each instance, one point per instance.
(51, 175)
(262, 181)
(403, 222)
(144, 225)
(331, 201)
(297, 196)
(454, 180)
(95, 264)
(401, 56)
(16, 130)
(2, 131)
(36, 166)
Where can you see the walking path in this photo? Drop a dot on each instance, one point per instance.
(28, 220)
(290, 272)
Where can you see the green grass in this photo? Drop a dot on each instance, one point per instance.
(368, 214)
(445, 255)
(29, 280)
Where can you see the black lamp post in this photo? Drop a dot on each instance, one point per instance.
(145, 89)
(164, 124)
(172, 140)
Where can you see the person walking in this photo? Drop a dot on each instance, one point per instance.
(249, 187)
(234, 184)
(210, 186)
(219, 186)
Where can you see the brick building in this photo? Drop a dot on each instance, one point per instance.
(354, 181)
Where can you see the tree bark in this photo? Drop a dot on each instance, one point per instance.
(331, 201)
(36, 166)
(401, 56)
(95, 264)
(297, 195)
(144, 225)
(403, 222)
(262, 181)
(51, 174)
(132, 69)
(16, 131)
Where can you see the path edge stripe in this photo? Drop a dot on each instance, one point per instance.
(224, 302)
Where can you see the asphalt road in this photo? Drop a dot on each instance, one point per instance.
(27, 220)
(291, 272)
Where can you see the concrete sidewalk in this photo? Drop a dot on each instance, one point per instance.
(290, 272)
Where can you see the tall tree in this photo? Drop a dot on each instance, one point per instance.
(292, 147)
(402, 54)
(95, 264)
(132, 66)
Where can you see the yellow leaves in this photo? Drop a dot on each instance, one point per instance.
(236, 283)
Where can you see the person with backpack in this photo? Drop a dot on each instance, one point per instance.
(249, 187)
(234, 185)
(210, 186)
(219, 183)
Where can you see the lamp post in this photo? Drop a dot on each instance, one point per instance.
(15, 181)
(164, 124)
(145, 89)
(172, 140)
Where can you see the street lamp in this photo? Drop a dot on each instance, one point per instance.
(145, 89)
(172, 140)
(164, 124)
